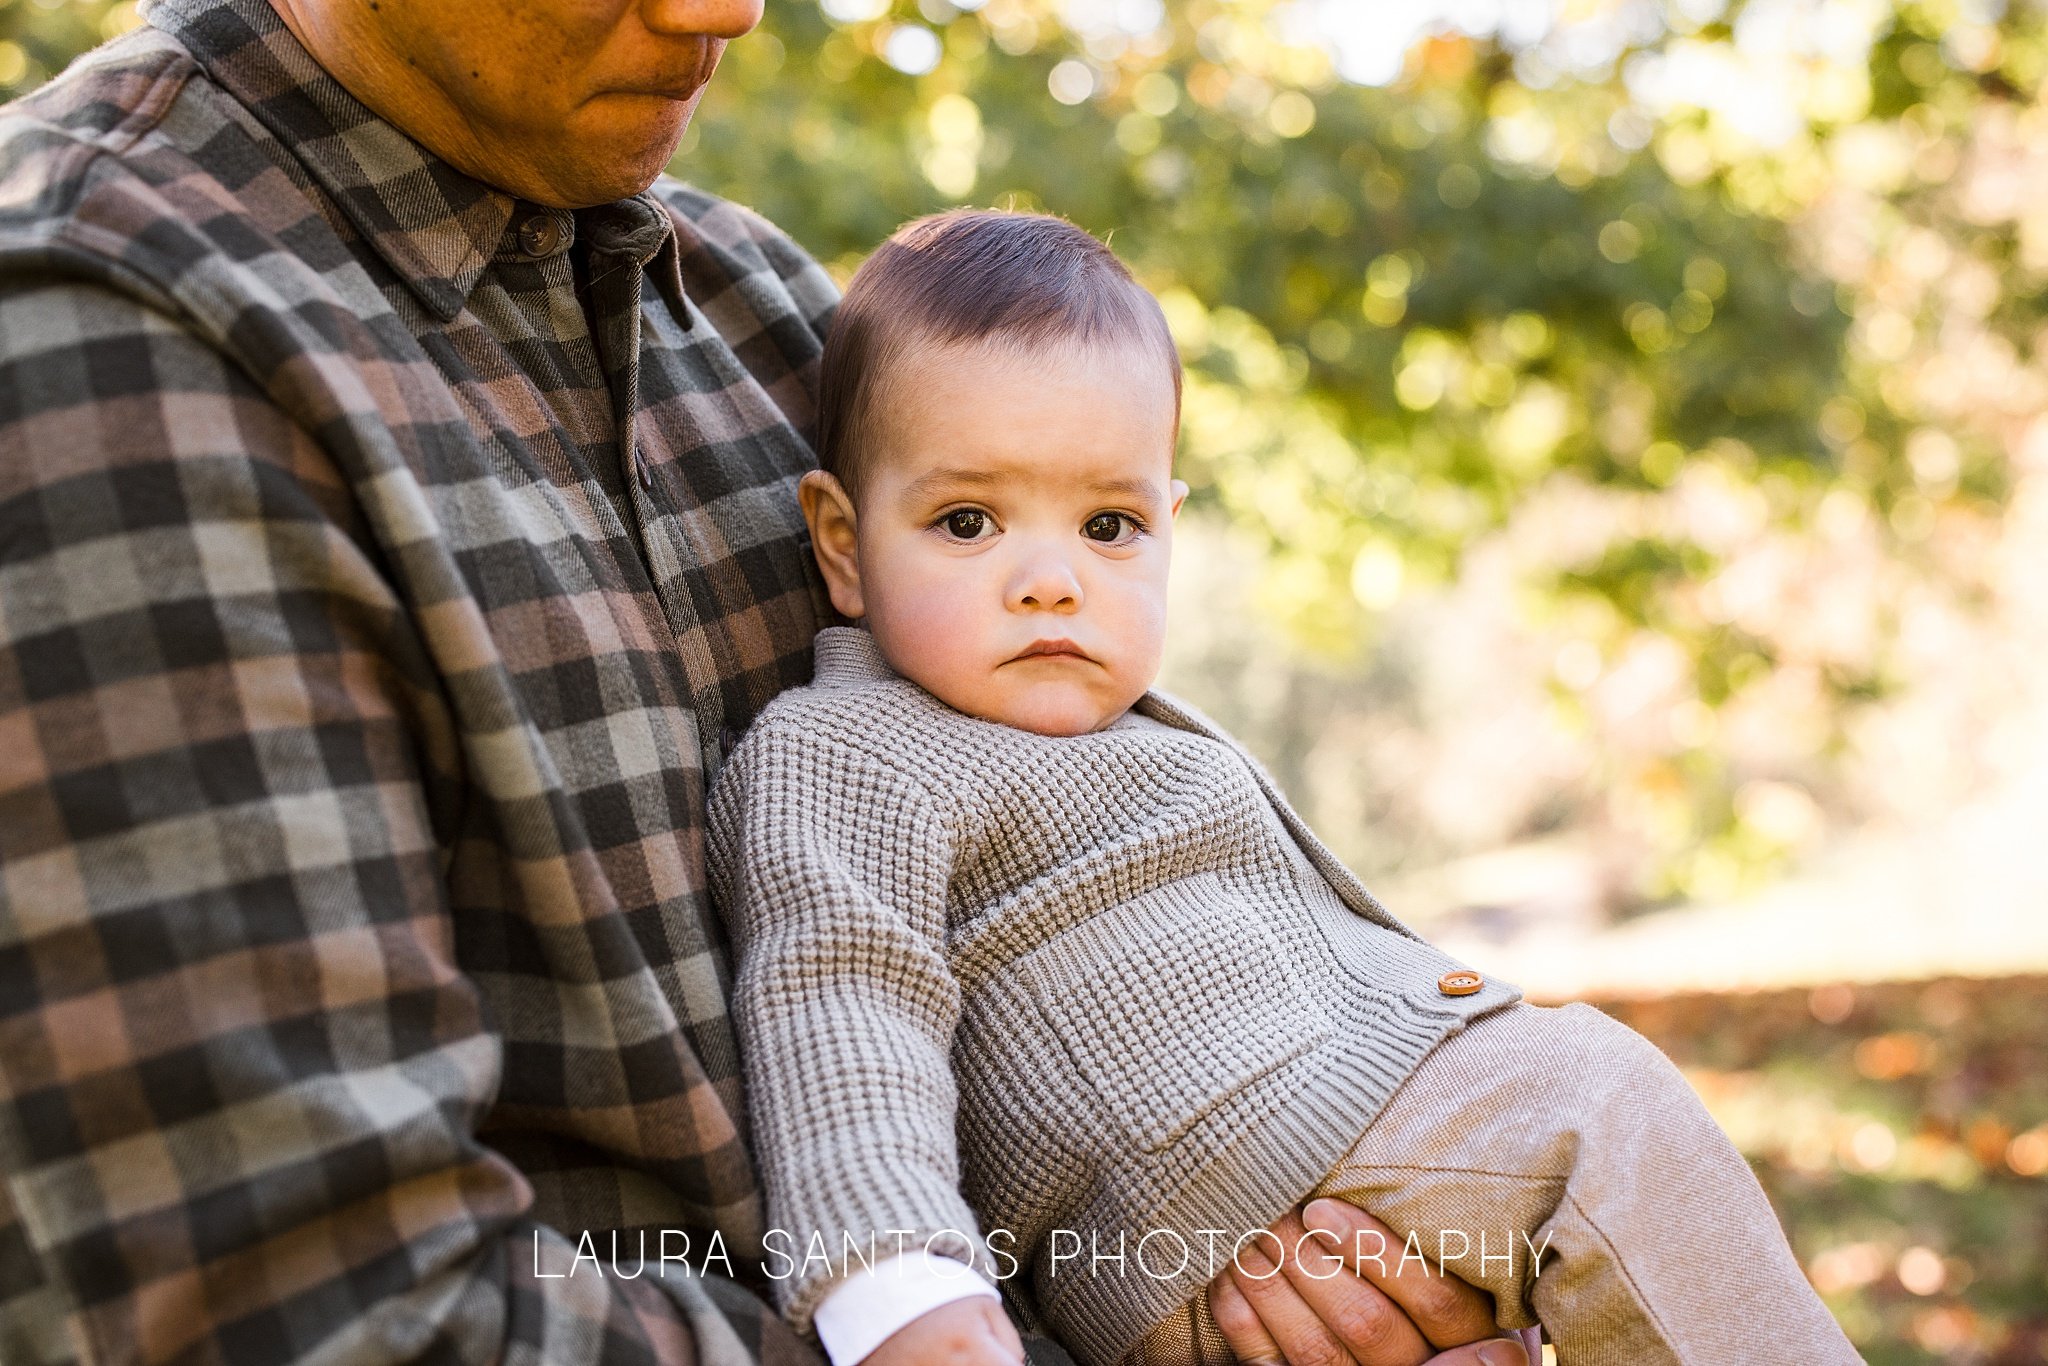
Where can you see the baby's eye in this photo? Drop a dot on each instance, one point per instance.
(1107, 526)
(967, 524)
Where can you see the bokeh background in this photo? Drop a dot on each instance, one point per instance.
(1619, 434)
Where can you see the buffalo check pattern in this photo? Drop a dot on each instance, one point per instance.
(384, 563)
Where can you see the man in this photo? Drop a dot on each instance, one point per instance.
(397, 523)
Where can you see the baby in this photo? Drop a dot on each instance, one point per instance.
(1037, 967)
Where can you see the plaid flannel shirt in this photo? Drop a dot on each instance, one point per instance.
(383, 564)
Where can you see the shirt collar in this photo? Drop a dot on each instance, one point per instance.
(434, 226)
(844, 655)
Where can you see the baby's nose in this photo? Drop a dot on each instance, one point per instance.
(1045, 583)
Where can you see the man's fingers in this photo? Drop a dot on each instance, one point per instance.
(1310, 1310)
(1372, 1328)
(1304, 1339)
(1240, 1325)
(1497, 1352)
(1445, 1309)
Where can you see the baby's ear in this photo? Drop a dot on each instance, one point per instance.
(1179, 491)
(829, 513)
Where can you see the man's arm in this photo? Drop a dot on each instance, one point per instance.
(241, 1072)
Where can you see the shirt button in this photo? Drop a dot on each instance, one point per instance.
(1460, 983)
(540, 235)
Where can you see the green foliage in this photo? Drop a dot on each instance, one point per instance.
(40, 37)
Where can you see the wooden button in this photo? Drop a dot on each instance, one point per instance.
(1459, 983)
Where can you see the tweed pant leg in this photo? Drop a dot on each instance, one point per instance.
(1561, 1131)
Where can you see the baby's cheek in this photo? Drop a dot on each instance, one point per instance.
(927, 639)
(1140, 648)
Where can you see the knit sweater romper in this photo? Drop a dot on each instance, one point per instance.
(1019, 995)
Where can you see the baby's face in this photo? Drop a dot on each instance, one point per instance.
(1013, 534)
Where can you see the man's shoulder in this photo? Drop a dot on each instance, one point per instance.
(105, 99)
(96, 121)
(127, 171)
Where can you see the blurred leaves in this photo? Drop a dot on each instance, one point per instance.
(1901, 1131)
(39, 37)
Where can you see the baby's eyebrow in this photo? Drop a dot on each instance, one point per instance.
(1128, 487)
(933, 480)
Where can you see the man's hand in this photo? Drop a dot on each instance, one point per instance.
(1330, 1307)
(972, 1332)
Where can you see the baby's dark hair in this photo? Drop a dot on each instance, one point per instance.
(970, 275)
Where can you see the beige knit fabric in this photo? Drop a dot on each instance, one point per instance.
(1167, 1006)
(1562, 1131)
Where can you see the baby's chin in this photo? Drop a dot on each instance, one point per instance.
(1047, 710)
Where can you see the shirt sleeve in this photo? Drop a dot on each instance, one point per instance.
(831, 869)
(867, 1308)
(242, 1072)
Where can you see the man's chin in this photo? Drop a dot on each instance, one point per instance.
(622, 158)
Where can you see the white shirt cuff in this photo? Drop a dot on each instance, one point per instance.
(865, 1310)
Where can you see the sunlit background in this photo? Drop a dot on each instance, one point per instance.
(1621, 514)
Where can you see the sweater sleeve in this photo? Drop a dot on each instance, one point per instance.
(831, 870)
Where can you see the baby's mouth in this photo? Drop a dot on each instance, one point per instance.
(1061, 648)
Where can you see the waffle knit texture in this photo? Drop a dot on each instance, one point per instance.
(1090, 987)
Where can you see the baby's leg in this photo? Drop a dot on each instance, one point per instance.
(1189, 1338)
(1563, 1133)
